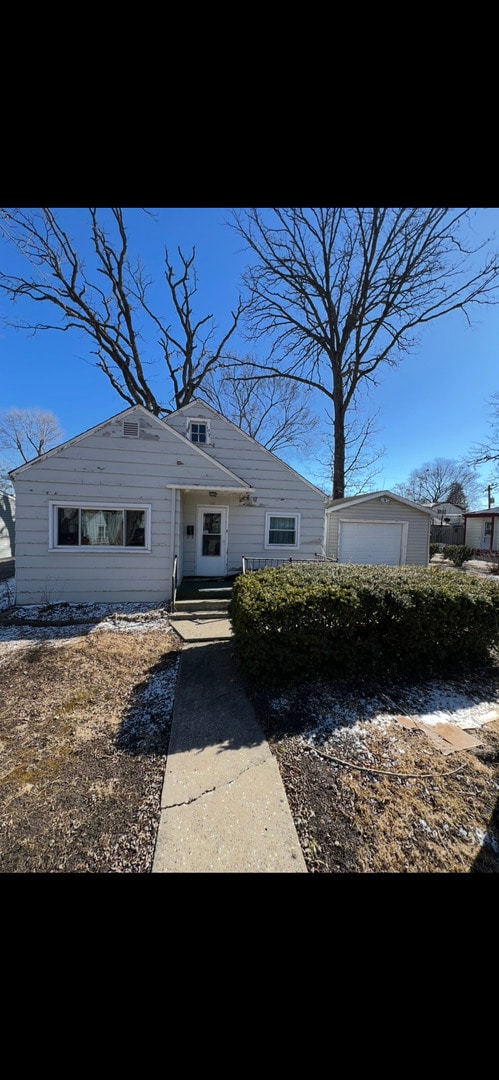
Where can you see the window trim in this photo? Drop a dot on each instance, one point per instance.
(198, 420)
(280, 514)
(95, 504)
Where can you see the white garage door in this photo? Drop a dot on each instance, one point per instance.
(372, 542)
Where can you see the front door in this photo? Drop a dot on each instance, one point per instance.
(211, 545)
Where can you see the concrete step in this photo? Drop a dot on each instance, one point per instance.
(200, 609)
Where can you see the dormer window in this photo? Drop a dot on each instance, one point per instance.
(198, 431)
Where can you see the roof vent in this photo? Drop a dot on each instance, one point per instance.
(131, 428)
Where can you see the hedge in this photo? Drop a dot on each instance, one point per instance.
(294, 623)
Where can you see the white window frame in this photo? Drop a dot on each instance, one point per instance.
(198, 420)
(281, 514)
(95, 504)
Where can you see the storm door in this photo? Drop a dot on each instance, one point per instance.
(211, 543)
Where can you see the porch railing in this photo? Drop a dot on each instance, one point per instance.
(250, 563)
(174, 581)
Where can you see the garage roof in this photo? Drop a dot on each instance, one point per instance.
(381, 496)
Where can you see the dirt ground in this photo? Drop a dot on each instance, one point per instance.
(372, 796)
(84, 728)
(85, 719)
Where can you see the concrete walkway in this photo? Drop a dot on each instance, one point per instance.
(224, 809)
(194, 630)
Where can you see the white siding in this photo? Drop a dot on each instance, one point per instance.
(104, 469)
(277, 488)
(418, 532)
(474, 532)
(476, 535)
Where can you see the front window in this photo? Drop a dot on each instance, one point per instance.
(282, 530)
(77, 526)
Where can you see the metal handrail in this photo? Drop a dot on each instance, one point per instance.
(250, 562)
(174, 581)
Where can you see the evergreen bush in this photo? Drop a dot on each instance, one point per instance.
(458, 553)
(291, 624)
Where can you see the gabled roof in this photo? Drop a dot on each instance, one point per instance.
(134, 409)
(350, 500)
(199, 402)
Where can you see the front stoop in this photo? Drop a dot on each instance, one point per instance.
(201, 620)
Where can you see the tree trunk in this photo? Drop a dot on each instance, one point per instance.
(339, 459)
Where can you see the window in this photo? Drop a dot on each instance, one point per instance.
(198, 431)
(282, 531)
(78, 526)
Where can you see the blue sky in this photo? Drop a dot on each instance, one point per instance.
(434, 404)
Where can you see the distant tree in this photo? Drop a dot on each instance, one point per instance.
(274, 412)
(487, 453)
(28, 433)
(442, 480)
(5, 481)
(336, 293)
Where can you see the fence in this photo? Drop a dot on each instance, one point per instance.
(447, 534)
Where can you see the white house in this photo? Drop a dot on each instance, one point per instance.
(7, 525)
(103, 516)
(481, 529)
(446, 513)
(380, 527)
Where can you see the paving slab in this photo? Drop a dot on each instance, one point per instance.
(224, 809)
(193, 630)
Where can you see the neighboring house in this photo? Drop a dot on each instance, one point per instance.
(447, 525)
(7, 525)
(101, 517)
(445, 513)
(481, 530)
(379, 528)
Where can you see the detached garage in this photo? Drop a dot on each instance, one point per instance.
(381, 528)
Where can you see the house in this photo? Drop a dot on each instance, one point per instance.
(481, 529)
(104, 516)
(447, 525)
(378, 528)
(7, 525)
(445, 513)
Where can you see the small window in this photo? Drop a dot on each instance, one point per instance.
(198, 431)
(282, 530)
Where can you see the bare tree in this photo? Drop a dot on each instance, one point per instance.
(442, 480)
(28, 433)
(274, 412)
(338, 292)
(107, 303)
(362, 455)
(487, 453)
(5, 481)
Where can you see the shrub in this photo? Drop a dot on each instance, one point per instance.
(458, 553)
(434, 549)
(295, 623)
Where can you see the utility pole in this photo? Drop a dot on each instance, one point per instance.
(490, 497)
